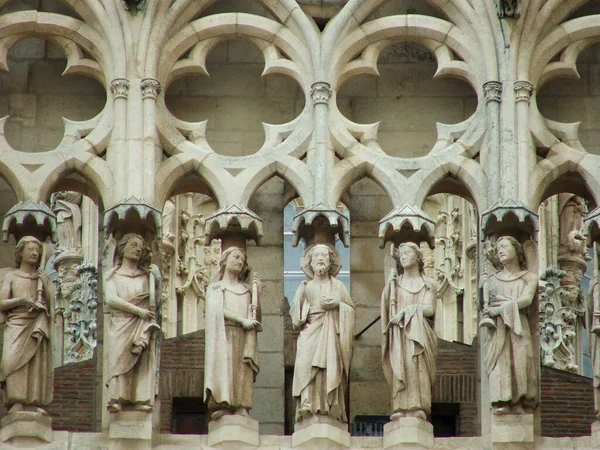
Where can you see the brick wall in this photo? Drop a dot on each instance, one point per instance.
(73, 408)
(181, 373)
(567, 404)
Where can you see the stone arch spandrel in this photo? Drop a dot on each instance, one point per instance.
(176, 168)
(557, 174)
(467, 179)
(13, 178)
(98, 184)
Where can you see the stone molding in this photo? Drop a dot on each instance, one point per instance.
(151, 88)
(120, 88)
(320, 92)
(492, 91)
(523, 90)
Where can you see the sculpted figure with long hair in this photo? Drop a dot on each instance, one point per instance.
(409, 343)
(510, 360)
(27, 307)
(131, 298)
(232, 320)
(324, 313)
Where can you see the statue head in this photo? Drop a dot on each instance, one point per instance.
(321, 258)
(29, 248)
(228, 259)
(506, 246)
(404, 255)
(133, 246)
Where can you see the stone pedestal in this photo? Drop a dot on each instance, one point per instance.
(408, 433)
(26, 428)
(596, 435)
(512, 431)
(130, 430)
(233, 432)
(318, 432)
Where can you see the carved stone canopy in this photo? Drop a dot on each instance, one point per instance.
(406, 224)
(321, 219)
(233, 219)
(133, 215)
(508, 216)
(592, 226)
(29, 219)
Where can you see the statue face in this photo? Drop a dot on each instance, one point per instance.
(31, 253)
(407, 256)
(133, 249)
(320, 262)
(235, 261)
(506, 251)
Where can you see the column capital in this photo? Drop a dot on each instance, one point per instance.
(320, 92)
(151, 88)
(120, 88)
(493, 91)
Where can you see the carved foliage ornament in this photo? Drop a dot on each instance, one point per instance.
(150, 88)
(119, 88)
(508, 9)
(560, 309)
(523, 90)
(493, 91)
(320, 92)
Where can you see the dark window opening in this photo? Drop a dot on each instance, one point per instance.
(190, 416)
(369, 425)
(289, 404)
(445, 419)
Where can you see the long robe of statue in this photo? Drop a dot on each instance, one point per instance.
(132, 328)
(27, 306)
(232, 321)
(510, 358)
(409, 343)
(324, 313)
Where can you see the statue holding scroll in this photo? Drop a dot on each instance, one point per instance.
(324, 313)
(232, 318)
(510, 359)
(131, 295)
(26, 307)
(409, 342)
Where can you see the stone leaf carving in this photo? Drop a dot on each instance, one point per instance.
(508, 9)
(82, 314)
(561, 308)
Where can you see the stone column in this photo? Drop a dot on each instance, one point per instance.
(405, 228)
(230, 425)
(509, 320)
(27, 425)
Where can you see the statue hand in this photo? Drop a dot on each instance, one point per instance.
(146, 314)
(329, 304)
(40, 273)
(398, 318)
(498, 300)
(31, 303)
(392, 277)
(255, 279)
(249, 324)
(493, 311)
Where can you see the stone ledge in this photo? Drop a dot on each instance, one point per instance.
(317, 432)
(26, 425)
(130, 425)
(512, 428)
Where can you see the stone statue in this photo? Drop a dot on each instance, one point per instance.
(510, 360)
(324, 313)
(66, 206)
(409, 342)
(131, 294)
(231, 352)
(27, 307)
(572, 210)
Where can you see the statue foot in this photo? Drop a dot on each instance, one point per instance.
(144, 407)
(242, 412)
(114, 407)
(136, 349)
(217, 414)
(500, 410)
(15, 408)
(596, 330)
(41, 410)
(418, 413)
(397, 415)
(302, 413)
(518, 409)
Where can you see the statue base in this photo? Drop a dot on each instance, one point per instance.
(596, 435)
(510, 430)
(130, 430)
(232, 432)
(26, 428)
(408, 433)
(319, 431)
